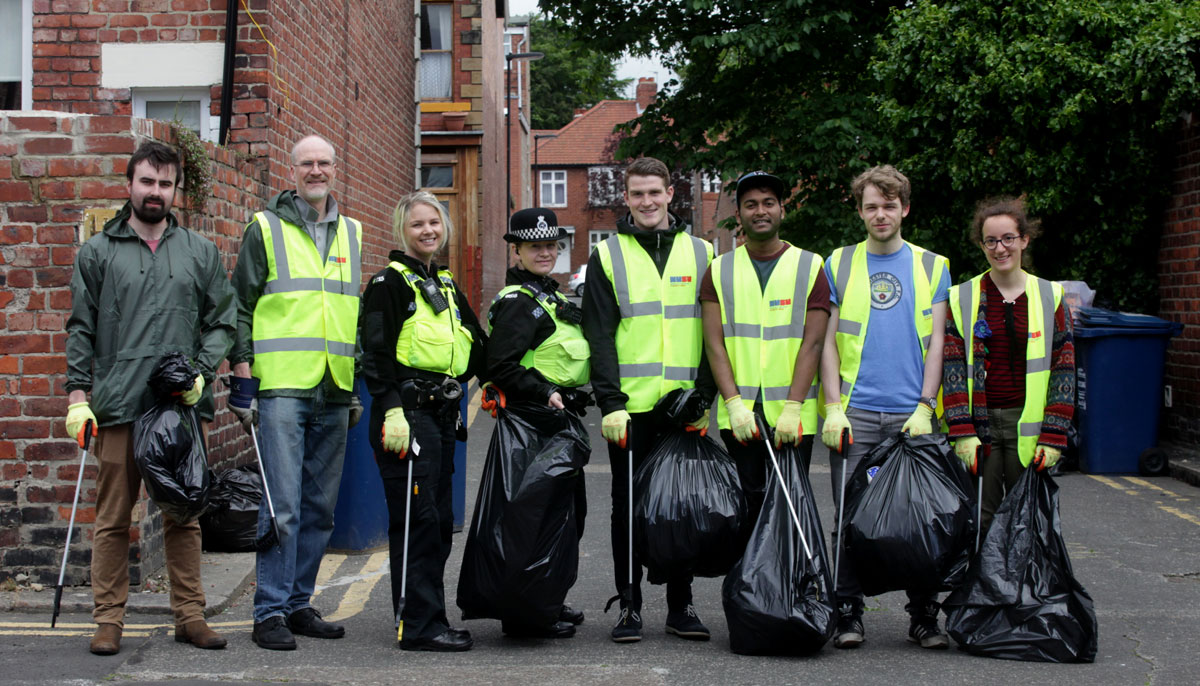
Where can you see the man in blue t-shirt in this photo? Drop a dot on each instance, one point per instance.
(881, 365)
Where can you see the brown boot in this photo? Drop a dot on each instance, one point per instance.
(198, 634)
(107, 640)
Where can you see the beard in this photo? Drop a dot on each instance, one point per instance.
(151, 214)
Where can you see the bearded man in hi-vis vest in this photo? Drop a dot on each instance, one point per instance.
(641, 317)
(881, 366)
(298, 279)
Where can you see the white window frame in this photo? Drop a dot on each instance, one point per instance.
(552, 178)
(448, 94)
(26, 37)
(202, 93)
(596, 236)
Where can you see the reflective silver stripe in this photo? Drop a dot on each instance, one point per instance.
(698, 247)
(927, 260)
(729, 298)
(843, 273)
(748, 393)
(742, 330)
(342, 349)
(850, 328)
(282, 271)
(310, 345)
(629, 371)
(846, 387)
(620, 278)
(295, 285)
(1027, 429)
(800, 295)
(679, 373)
(772, 393)
(1046, 297)
(681, 312)
(355, 255)
(966, 300)
(925, 341)
(812, 393)
(778, 333)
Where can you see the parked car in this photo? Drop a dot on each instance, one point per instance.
(575, 284)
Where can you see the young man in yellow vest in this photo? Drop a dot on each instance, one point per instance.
(765, 307)
(642, 322)
(298, 279)
(881, 366)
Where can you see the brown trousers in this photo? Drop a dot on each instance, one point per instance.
(117, 488)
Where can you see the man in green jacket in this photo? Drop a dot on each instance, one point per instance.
(143, 287)
(298, 279)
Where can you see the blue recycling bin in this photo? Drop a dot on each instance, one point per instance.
(1120, 360)
(360, 520)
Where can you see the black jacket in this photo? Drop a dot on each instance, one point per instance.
(601, 316)
(387, 303)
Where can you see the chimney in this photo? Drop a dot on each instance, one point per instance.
(646, 90)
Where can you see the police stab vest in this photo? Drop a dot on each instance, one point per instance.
(434, 342)
(660, 338)
(307, 316)
(564, 357)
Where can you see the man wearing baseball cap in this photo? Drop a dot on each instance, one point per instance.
(765, 308)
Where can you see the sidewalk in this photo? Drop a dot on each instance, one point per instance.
(226, 577)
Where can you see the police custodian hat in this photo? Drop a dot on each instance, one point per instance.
(534, 224)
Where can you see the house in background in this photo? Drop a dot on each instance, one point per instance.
(576, 176)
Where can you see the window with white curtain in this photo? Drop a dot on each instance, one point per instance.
(436, 59)
(15, 57)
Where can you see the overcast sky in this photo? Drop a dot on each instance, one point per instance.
(629, 68)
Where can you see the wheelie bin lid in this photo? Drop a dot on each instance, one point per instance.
(1095, 322)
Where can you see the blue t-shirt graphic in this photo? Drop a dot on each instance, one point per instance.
(891, 371)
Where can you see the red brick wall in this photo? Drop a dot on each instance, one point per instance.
(53, 167)
(1179, 287)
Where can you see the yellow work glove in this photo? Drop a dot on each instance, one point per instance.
(192, 395)
(78, 415)
(836, 422)
(790, 428)
(741, 420)
(921, 421)
(395, 431)
(1046, 457)
(700, 425)
(967, 450)
(613, 427)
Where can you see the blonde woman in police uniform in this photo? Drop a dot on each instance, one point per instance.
(420, 341)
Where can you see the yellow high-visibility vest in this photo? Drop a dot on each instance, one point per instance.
(307, 316)
(564, 358)
(660, 337)
(435, 342)
(1043, 298)
(853, 285)
(764, 329)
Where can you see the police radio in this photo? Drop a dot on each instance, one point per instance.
(434, 296)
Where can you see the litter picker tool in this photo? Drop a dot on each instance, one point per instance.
(841, 504)
(766, 437)
(270, 538)
(978, 499)
(62, 572)
(404, 560)
(629, 444)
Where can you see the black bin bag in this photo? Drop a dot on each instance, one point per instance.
(778, 600)
(689, 508)
(230, 525)
(910, 517)
(522, 551)
(1021, 600)
(168, 444)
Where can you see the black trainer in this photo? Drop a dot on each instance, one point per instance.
(923, 629)
(686, 623)
(629, 627)
(272, 633)
(850, 632)
(567, 614)
(307, 622)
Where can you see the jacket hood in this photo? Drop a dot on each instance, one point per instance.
(646, 238)
(283, 204)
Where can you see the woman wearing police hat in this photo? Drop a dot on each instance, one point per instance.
(537, 355)
(420, 341)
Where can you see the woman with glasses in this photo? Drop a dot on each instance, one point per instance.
(1009, 372)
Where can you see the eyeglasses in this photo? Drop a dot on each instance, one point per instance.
(323, 165)
(1007, 241)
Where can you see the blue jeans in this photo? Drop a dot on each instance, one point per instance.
(303, 444)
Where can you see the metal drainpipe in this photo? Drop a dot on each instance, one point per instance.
(231, 15)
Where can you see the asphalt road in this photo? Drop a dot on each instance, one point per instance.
(1135, 544)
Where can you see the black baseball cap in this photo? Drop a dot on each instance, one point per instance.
(760, 179)
(534, 224)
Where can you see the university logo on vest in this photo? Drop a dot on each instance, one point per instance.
(337, 260)
(779, 304)
(680, 280)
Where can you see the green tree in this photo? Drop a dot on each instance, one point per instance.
(571, 75)
(1073, 103)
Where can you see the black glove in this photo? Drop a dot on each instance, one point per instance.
(356, 411)
(576, 400)
(682, 406)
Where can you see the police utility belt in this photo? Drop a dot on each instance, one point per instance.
(429, 392)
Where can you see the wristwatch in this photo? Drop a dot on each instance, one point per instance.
(931, 402)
